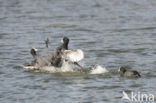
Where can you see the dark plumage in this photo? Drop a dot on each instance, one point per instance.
(56, 56)
(62, 53)
(65, 42)
(39, 61)
(128, 73)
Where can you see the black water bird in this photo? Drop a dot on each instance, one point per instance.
(128, 73)
(63, 53)
(38, 62)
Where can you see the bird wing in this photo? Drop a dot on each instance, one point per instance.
(73, 55)
(42, 61)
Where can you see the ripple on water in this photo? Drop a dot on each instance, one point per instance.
(150, 75)
(2, 72)
(118, 50)
(2, 35)
(86, 30)
(18, 67)
(110, 87)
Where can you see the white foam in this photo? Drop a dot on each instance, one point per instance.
(51, 69)
(29, 67)
(98, 70)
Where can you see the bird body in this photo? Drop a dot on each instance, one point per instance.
(128, 73)
(39, 61)
(63, 54)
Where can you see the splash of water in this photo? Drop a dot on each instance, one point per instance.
(98, 70)
(67, 67)
(51, 69)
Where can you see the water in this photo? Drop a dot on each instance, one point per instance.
(112, 33)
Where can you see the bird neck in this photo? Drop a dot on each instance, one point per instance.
(65, 45)
(33, 53)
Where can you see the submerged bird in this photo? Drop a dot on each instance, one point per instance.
(39, 61)
(128, 73)
(62, 53)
